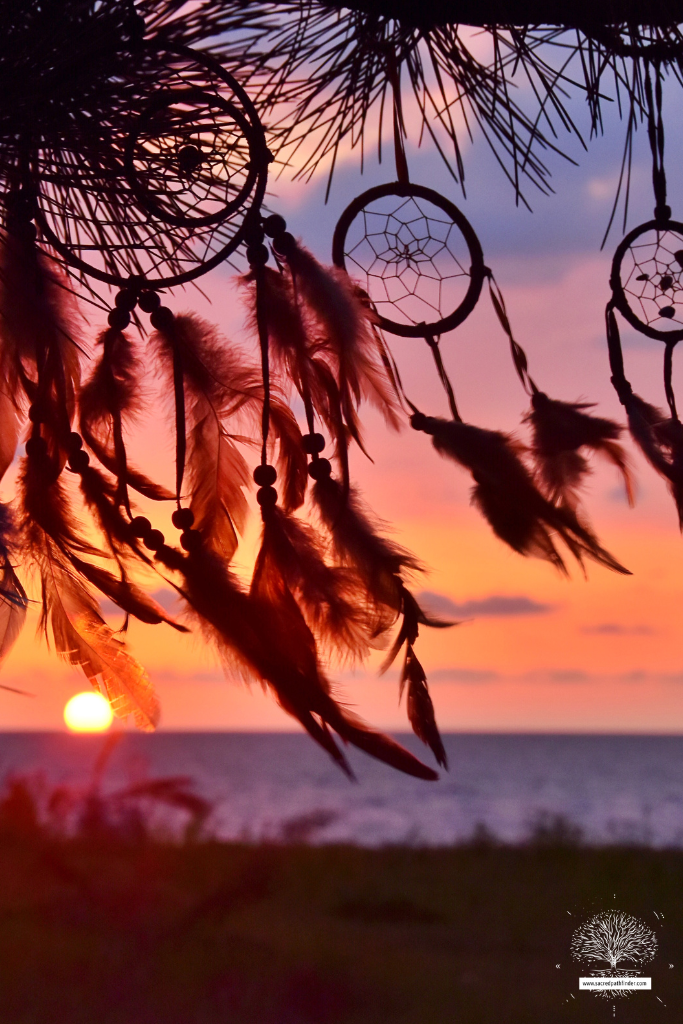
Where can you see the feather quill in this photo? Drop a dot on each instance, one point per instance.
(560, 430)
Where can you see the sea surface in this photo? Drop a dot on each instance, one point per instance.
(510, 788)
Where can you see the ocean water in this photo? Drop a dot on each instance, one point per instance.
(625, 789)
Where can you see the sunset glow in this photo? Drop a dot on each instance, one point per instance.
(88, 712)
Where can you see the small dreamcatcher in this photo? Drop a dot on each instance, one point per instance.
(647, 289)
(420, 269)
(144, 177)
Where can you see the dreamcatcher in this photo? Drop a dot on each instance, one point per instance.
(148, 175)
(421, 268)
(647, 289)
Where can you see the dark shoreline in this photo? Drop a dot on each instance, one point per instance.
(105, 932)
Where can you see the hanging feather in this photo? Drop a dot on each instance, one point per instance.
(382, 567)
(219, 386)
(79, 632)
(507, 496)
(126, 594)
(264, 635)
(356, 543)
(13, 599)
(559, 431)
(345, 332)
(660, 438)
(419, 702)
(102, 497)
(331, 597)
(420, 707)
(82, 638)
(291, 457)
(295, 355)
(108, 401)
(38, 323)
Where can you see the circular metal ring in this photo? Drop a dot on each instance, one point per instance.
(404, 243)
(648, 275)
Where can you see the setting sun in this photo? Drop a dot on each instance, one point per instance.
(88, 712)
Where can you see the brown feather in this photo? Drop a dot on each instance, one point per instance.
(82, 637)
(108, 402)
(506, 494)
(660, 438)
(40, 332)
(560, 430)
(357, 544)
(420, 707)
(331, 597)
(13, 599)
(46, 509)
(345, 329)
(291, 459)
(220, 385)
(126, 594)
(296, 356)
(101, 496)
(264, 634)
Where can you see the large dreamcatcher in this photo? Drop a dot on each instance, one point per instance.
(647, 290)
(142, 175)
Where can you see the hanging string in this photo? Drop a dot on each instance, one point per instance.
(119, 443)
(443, 376)
(616, 357)
(518, 354)
(668, 386)
(181, 440)
(262, 327)
(655, 131)
(394, 75)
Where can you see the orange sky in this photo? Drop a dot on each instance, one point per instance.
(579, 655)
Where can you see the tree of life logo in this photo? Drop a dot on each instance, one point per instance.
(619, 940)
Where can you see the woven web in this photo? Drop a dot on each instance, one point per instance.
(89, 203)
(651, 276)
(193, 160)
(411, 259)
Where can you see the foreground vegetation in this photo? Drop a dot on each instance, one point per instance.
(116, 929)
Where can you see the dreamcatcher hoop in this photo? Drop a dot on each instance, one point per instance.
(159, 235)
(663, 280)
(413, 251)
